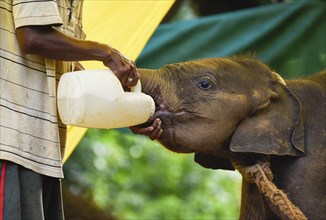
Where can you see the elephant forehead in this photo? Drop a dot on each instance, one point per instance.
(213, 62)
(200, 65)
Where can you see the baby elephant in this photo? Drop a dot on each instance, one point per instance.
(236, 111)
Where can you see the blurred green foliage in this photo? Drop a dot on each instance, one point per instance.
(136, 178)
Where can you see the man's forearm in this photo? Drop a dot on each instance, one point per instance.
(48, 42)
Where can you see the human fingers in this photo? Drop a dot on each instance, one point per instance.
(153, 131)
(142, 131)
(123, 67)
(157, 132)
(129, 76)
(133, 76)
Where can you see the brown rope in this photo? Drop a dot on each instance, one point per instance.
(261, 174)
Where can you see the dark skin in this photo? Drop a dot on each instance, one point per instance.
(48, 42)
(153, 131)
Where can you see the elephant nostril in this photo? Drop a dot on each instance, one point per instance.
(157, 107)
(160, 107)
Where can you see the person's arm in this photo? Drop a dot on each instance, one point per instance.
(48, 42)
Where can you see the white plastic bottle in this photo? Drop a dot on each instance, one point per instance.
(96, 99)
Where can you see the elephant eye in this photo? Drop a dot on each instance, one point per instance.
(204, 84)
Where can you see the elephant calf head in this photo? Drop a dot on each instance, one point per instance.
(221, 106)
(237, 109)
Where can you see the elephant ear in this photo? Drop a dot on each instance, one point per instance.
(213, 162)
(275, 129)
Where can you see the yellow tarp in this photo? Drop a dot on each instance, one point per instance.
(125, 25)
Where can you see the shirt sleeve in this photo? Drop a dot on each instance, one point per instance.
(31, 12)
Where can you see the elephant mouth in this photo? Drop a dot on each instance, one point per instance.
(161, 111)
(170, 121)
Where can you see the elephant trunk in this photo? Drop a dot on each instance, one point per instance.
(150, 81)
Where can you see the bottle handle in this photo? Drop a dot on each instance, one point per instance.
(137, 87)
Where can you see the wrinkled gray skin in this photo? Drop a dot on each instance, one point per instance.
(238, 109)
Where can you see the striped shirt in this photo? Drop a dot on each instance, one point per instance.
(31, 134)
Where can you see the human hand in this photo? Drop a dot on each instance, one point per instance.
(153, 131)
(124, 68)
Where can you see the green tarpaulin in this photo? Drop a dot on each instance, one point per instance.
(289, 37)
